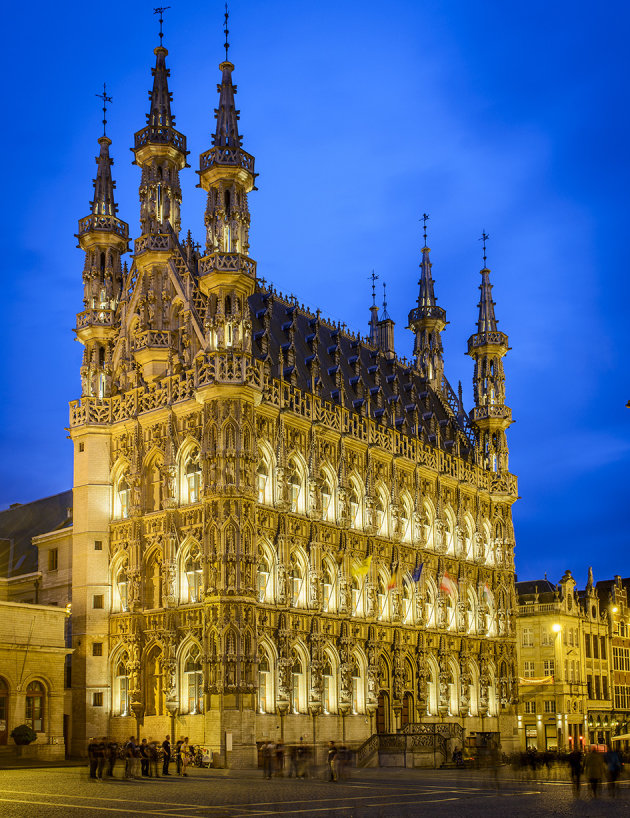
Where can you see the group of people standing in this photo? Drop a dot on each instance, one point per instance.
(274, 757)
(596, 767)
(141, 758)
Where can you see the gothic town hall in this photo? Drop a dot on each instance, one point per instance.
(280, 528)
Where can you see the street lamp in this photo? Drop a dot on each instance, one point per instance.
(556, 627)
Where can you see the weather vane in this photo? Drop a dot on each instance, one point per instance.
(105, 99)
(425, 219)
(227, 31)
(373, 278)
(160, 10)
(484, 238)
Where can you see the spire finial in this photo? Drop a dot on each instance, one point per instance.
(484, 238)
(160, 10)
(385, 314)
(425, 219)
(227, 31)
(373, 278)
(105, 99)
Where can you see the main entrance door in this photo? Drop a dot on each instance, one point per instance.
(4, 712)
(407, 710)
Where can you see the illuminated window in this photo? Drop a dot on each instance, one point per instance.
(265, 697)
(193, 681)
(328, 601)
(124, 497)
(192, 571)
(381, 599)
(35, 695)
(328, 689)
(193, 479)
(263, 580)
(121, 688)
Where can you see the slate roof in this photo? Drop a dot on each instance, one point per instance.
(323, 358)
(531, 587)
(18, 526)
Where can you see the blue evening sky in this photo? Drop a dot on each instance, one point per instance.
(511, 117)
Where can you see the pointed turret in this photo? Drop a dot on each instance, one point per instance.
(427, 321)
(385, 330)
(160, 151)
(487, 347)
(104, 238)
(226, 172)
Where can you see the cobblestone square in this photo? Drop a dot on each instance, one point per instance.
(378, 793)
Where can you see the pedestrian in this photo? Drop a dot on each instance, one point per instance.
(613, 764)
(144, 757)
(185, 751)
(332, 755)
(594, 769)
(267, 758)
(292, 761)
(576, 765)
(112, 755)
(301, 757)
(280, 759)
(166, 749)
(130, 758)
(154, 754)
(178, 756)
(92, 758)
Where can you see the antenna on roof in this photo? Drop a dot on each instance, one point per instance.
(484, 238)
(373, 278)
(425, 219)
(385, 315)
(160, 10)
(227, 31)
(105, 99)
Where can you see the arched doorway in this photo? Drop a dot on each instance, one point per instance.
(4, 712)
(382, 713)
(407, 710)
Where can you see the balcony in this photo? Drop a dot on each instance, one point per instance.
(160, 136)
(103, 224)
(222, 155)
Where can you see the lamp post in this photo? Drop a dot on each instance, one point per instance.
(557, 628)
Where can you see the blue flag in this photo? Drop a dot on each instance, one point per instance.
(417, 572)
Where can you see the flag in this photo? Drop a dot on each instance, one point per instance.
(362, 568)
(394, 580)
(487, 593)
(417, 572)
(448, 585)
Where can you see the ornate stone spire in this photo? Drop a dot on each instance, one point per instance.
(487, 347)
(160, 151)
(104, 238)
(226, 172)
(427, 321)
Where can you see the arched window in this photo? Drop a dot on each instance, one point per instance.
(471, 613)
(473, 690)
(432, 697)
(453, 697)
(329, 688)
(329, 601)
(264, 580)
(264, 483)
(430, 606)
(35, 697)
(356, 506)
(450, 609)
(428, 526)
(407, 603)
(122, 498)
(356, 597)
(153, 487)
(358, 691)
(381, 599)
(406, 515)
(328, 497)
(193, 682)
(298, 686)
(192, 576)
(297, 489)
(265, 688)
(154, 678)
(297, 584)
(192, 479)
(492, 695)
(153, 583)
(120, 601)
(121, 687)
(449, 532)
(380, 511)
(468, 541)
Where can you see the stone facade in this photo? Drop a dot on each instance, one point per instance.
(280, 528)
(32, 675)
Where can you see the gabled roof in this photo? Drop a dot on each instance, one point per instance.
(19, 524)
(322, 358)
(535, 586)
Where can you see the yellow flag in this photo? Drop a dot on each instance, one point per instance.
(363, 567)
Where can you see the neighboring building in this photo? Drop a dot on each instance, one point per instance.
(552, 689)
(574, 663)
(32, 675)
